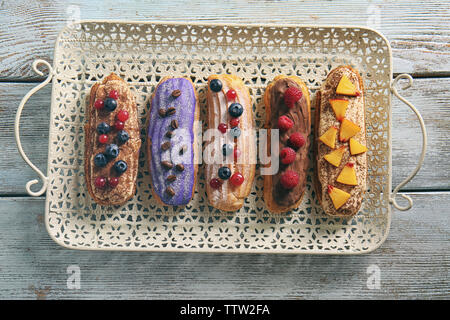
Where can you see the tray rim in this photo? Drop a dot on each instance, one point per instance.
(227, 251)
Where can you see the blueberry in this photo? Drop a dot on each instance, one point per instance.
(227, 149)
(235, 132)
(112, 151)
(120, 166)
(110, 104)
(224, 173)
(103, 128)
(122, 136)
(215, 85)
(100, 160)
(235, 110)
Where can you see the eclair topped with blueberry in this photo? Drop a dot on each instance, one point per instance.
(112, 142)
(230, 153)
(172, 141)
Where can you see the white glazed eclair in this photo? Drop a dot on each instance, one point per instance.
(230, 176)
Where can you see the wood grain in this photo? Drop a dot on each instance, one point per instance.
(429, 95)
(413, 263)
(417, 30)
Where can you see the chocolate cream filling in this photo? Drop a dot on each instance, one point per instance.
(299, 114)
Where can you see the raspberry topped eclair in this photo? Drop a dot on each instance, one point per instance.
(172, 141)
(230, 177)
(288, 109)
(112, 142)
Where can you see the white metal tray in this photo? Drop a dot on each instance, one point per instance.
(143, 53)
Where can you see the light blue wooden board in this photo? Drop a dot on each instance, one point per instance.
(418, 30)
(413, 263)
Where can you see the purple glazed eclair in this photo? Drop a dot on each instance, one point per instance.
(172, 141)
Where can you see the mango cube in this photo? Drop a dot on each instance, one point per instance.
(329, 137)
(348, 130)
(338, 196)
(348, 175)
(335, 157)
(356, 147)
(346, 87)
(339, 107)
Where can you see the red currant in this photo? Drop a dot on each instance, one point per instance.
(100, 182)
(237, 179)
(231, 94)
(99, 104)
(122, 115)
(113, 182)
(222, 127)
(215, 183)
(234, 122)
(103, 138)
(114, 94)
(119, 125)
(236, 153)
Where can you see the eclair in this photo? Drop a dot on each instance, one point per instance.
(112, 142)
(288, 110)
(230, 154)
(172, 141)
(340, 145)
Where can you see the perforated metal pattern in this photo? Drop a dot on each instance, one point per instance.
(143, 53)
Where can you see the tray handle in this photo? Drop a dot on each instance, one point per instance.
(424, 143)
(17, 129)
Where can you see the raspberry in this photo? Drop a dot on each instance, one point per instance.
(297, 140)
(284, 123)
(289, 179)
(287, 155)
(291, 96)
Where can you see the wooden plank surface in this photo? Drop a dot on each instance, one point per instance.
(413, 263)
(417, 30)
(430, 96)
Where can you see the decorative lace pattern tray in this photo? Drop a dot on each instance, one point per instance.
(143, 53)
